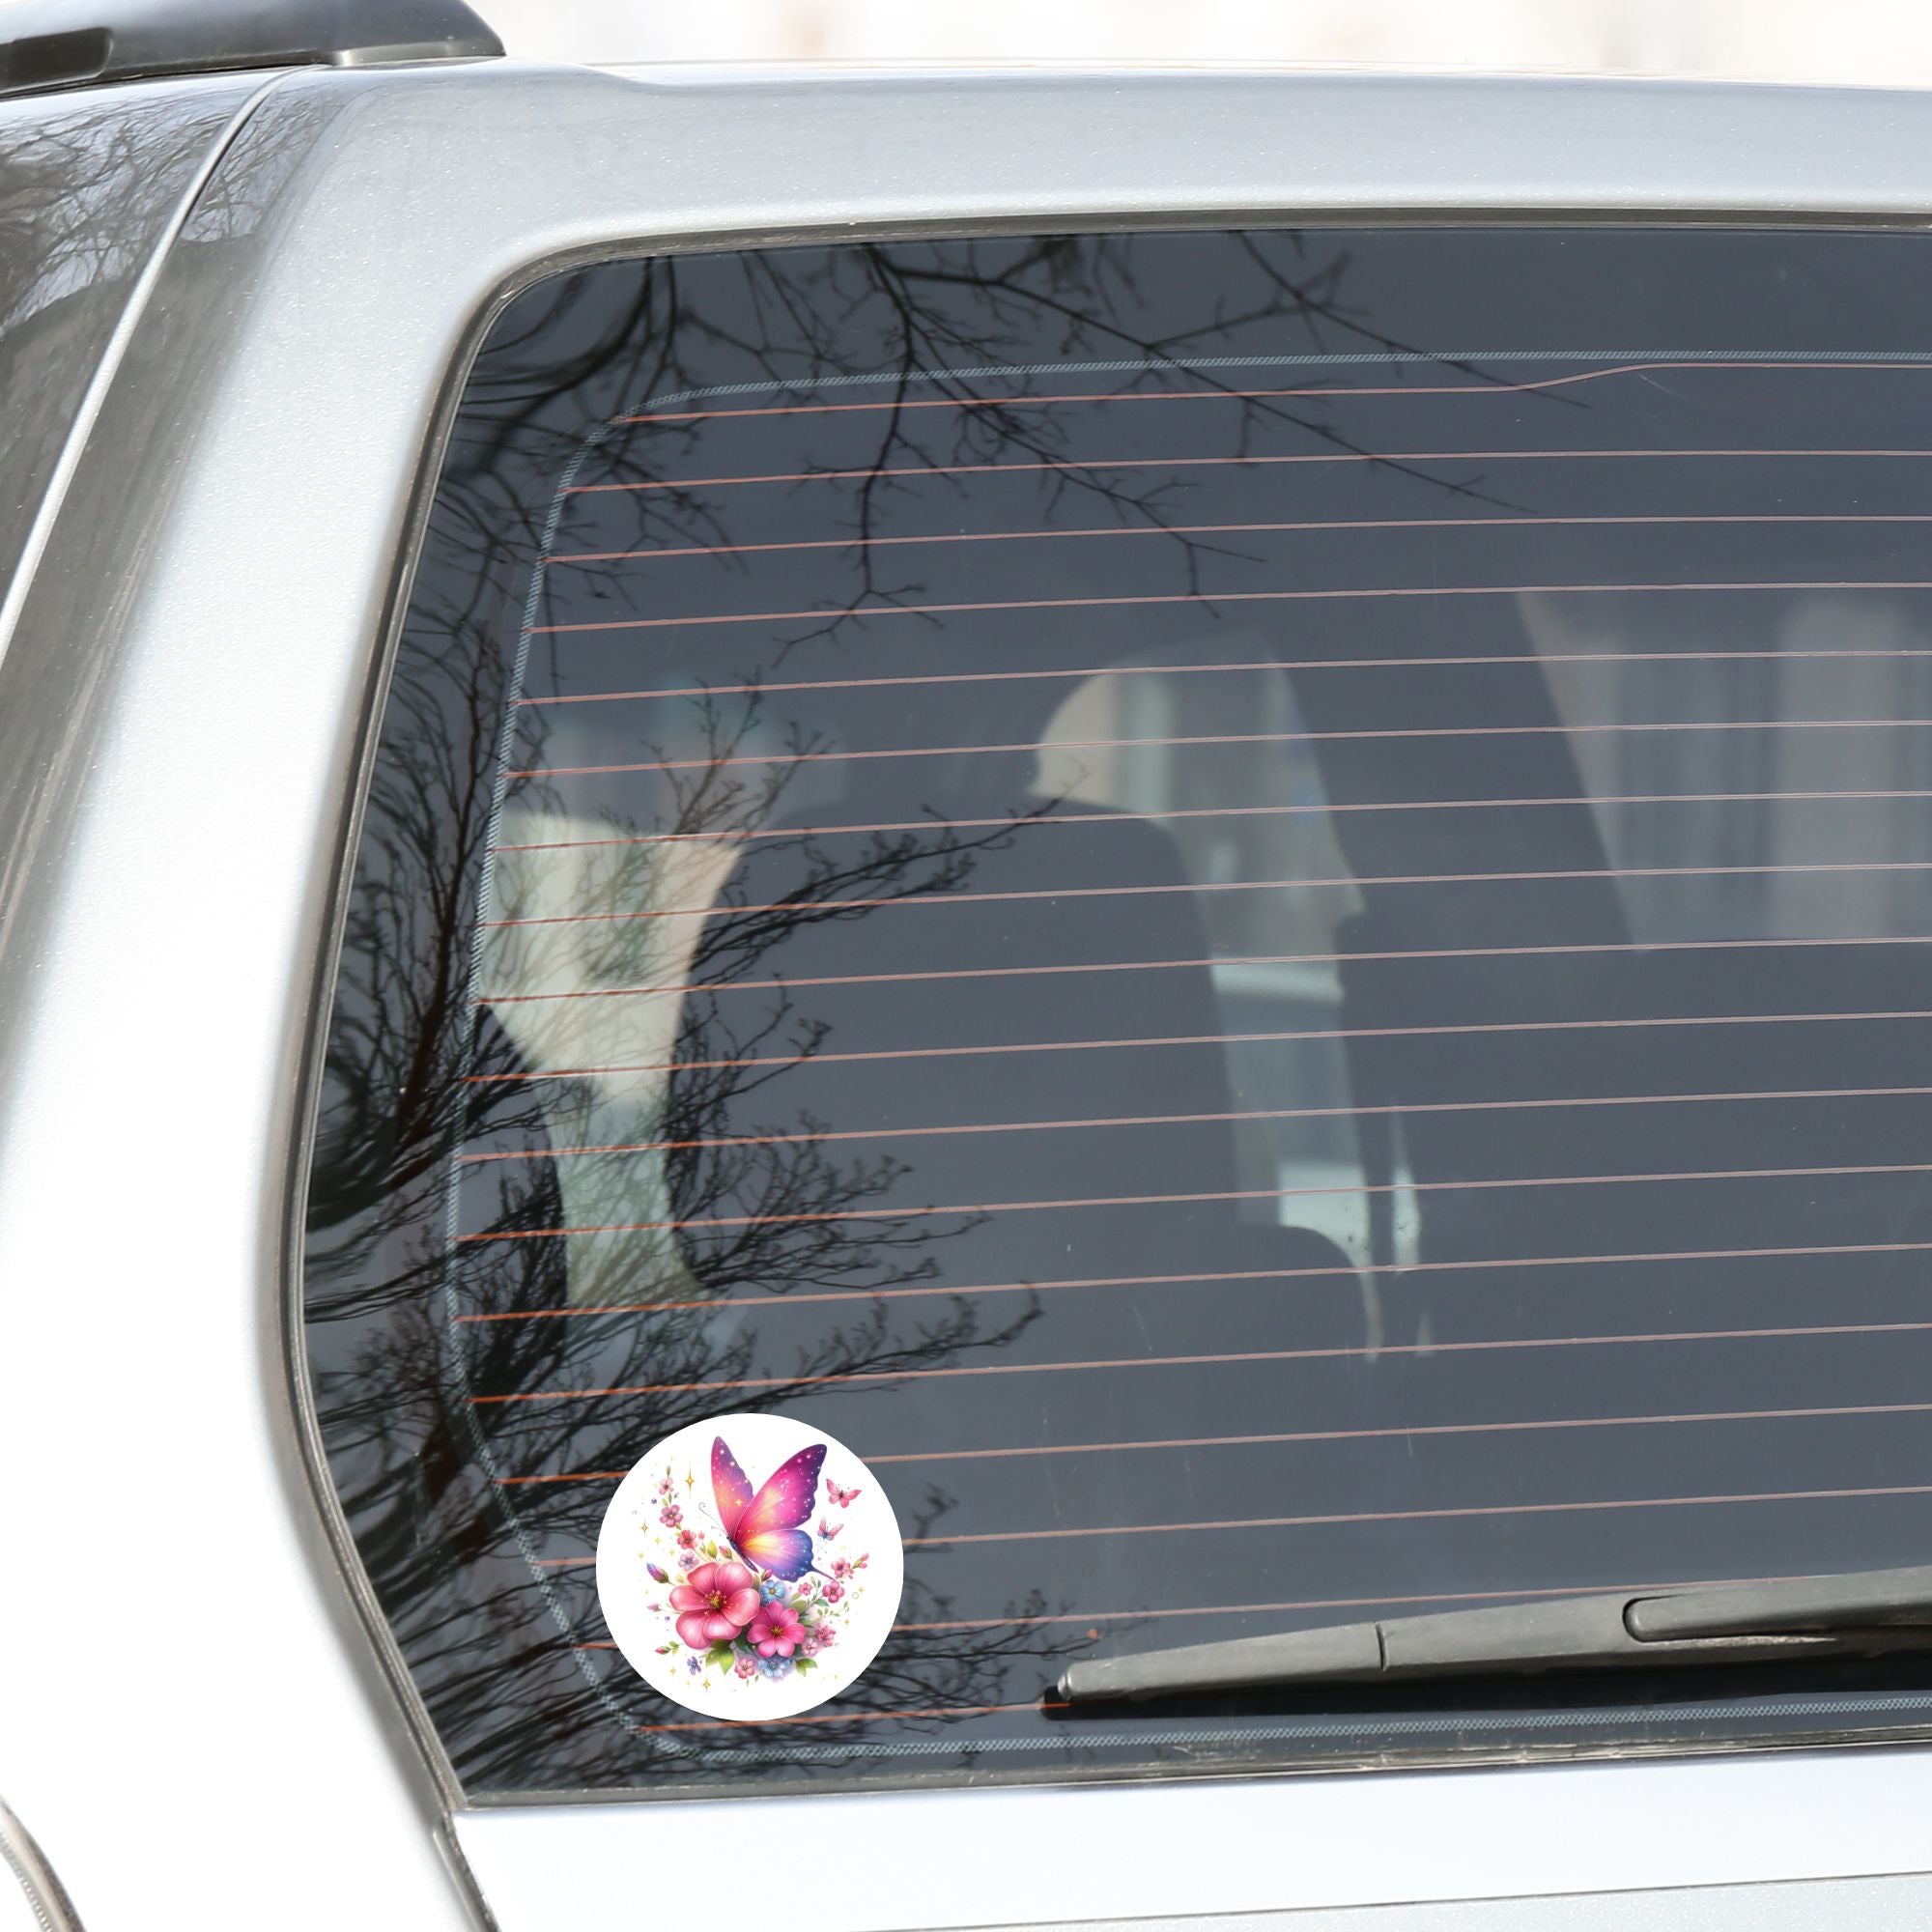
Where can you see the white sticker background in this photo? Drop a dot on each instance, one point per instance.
(671, 1585)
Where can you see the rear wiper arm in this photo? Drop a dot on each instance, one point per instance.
(1860, 1614)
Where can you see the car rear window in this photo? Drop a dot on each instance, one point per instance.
(1253, 906)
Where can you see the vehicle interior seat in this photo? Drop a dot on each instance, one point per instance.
(1137, 1164)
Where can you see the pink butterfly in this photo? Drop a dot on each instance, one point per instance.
(764, 1529)
(828, 1530)
(842, 1498)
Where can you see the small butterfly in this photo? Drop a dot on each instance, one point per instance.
(828, 1530)
(842, 1499)
(764, 1529)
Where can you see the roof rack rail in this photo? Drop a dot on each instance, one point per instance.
(57, 44)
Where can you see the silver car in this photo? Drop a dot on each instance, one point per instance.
(1011, 978)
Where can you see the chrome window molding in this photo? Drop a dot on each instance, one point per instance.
(220, 592)
(53, 1911)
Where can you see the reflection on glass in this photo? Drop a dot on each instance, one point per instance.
(1275, 962)
(86, 186)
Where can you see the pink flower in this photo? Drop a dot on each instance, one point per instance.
(714, 1604)
(747, 1664)
(777, 1631)
(687, 1539)
(670, 1515)
(835, 1592)
(817, 1637)
(841, 1568)
(687, 1559)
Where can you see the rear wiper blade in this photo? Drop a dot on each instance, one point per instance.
(1860, 1614)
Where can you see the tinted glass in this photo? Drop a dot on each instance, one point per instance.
(1254, 907)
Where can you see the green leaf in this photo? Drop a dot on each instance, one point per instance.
(803, 1663)
(718, 1654)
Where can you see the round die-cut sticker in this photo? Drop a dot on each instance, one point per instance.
(749, 1567)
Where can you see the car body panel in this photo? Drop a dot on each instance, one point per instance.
(1327, 1844)
(185, 711)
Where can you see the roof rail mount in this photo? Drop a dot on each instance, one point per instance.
(56, 43)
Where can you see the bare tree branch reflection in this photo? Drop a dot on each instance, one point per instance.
(84, 192)
(396, 1382)
(567, 1179)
